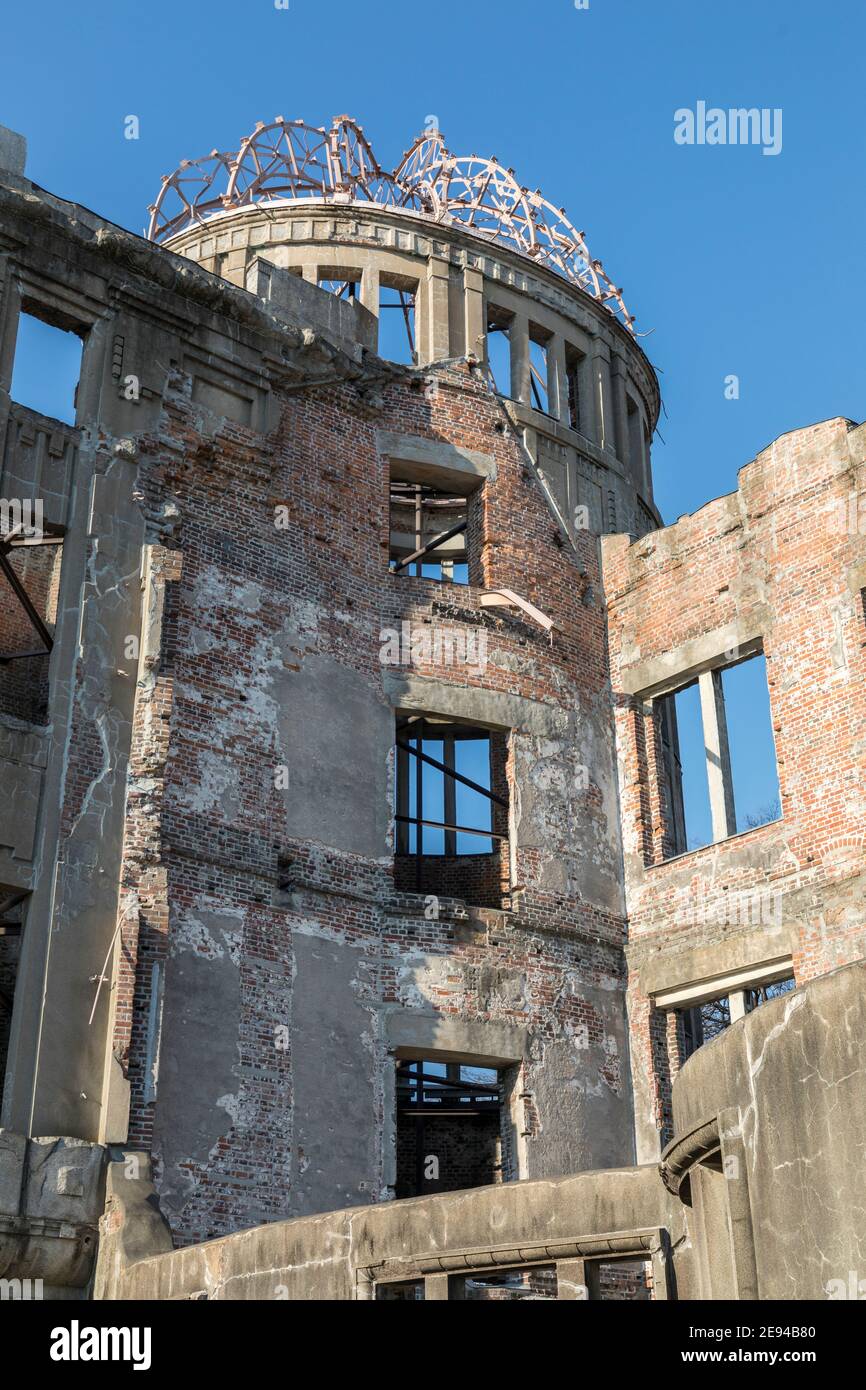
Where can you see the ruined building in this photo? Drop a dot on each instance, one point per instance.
(343, 855)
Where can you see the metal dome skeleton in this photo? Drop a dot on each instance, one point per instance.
(289, 160)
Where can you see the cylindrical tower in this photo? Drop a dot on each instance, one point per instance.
(391, 956)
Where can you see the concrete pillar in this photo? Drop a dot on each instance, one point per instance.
(370, 288)
(719, 776)
(571, 1280)
(310, 273)
(620, 413)
(519, 335)
(737, 1004)
(475, 326)
(586, 390)
(557, 384)
(433, 334)
(435, 1288)
(605, 431)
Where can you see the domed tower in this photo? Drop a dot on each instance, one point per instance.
(389, 959)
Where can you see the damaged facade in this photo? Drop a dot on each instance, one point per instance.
(340, 858)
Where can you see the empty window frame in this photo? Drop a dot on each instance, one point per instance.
(428, 528)
(341, 289)
(400, 1291)
(620, 1281)
(717, 760)
(499, 349)
(539, 369)
(30, 561)
(47, 367)
(397, 326)
(532, 1283)
(341, 284)
(452, 811)
(707, 1020)
(448, 1126)
(444, 797)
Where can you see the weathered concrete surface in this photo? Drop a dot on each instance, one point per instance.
(13, 150)
(336, 1256)
(345, 322)
(51, 1200)
(791, 1080)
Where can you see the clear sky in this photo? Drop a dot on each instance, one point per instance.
(734, 262)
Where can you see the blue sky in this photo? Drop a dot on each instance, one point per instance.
(734, 262)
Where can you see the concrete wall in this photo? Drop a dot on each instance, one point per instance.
(783, 1090)
(344, 1255)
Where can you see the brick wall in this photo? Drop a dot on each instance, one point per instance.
(206, 832)
(775, 559)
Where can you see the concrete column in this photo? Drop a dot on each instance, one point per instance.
(311, 274)
(586, 388)
(620, 412)
(370, 288)
(557, 385)
(737, 1004)
(435, 1288)
(605, 431)
(735, 1164)
(475, 327)
(519, 335)
(719, 776)
(433, 333)
(571, 1280)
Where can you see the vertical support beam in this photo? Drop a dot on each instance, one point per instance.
(435, 1288)
(519, 334)
(586, 391)
(475, 327)
(742, 1235)
(718, 754)
(402, 800)
(450, 790)
(557, 383)
(737, 1004)
(370, 289)
(310, 273)
(419, 814)
(571, 1280)
(620, 412)
(433, 338)
(605, 431)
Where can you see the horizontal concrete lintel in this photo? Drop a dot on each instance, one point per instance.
(433, 459)
(767, 973)
(661, 674)
(750, 954)
(488, 708)
(416, 1035)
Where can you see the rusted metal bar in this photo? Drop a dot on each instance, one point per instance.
(24, 599)
(450, 772)
(461, 829)
(431, 545)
